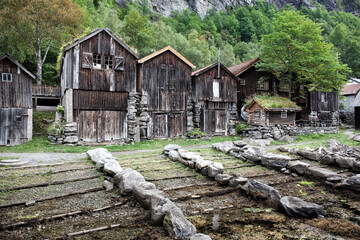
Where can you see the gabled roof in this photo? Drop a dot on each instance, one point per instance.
(168, 48)
(350, 89)
(274, 103)
(205, 69)
(242, 67)
(18, 64)
(93, 33)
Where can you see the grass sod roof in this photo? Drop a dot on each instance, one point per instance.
(273, 103)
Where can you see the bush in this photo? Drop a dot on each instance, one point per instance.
(240, 126)
(56, 128)
(195, 133)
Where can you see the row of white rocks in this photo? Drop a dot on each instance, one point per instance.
(292, 206)
(284, 163)
(163, 211)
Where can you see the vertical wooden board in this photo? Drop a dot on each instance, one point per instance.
(4, 122)
(176, 125)
(221, 121)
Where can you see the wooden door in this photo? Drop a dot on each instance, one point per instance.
(13, 126)
(221, 121)
(214, 121)
(176, 125)
(161, 126)
(100, 126)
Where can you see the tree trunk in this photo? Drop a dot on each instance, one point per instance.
(38, 70)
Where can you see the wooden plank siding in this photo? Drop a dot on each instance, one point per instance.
(203, 86)
(100, 100)
(13, 126)
(17, 93)
(166, 81)
(324, 101)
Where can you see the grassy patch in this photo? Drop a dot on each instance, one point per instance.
(7, 158)
(40, 122)
(41, 144)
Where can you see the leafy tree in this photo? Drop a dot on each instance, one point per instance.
(139, 32)
(296, 53)
(39, 23)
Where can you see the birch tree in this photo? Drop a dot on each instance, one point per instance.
(39, 23)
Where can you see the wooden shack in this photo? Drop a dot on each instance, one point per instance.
(15, 102)
(271, 111)
(214, 87)
(98, 72)
(164, 81)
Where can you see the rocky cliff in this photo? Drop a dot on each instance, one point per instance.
(165, 7)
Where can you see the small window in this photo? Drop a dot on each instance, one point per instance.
(108, 62)
(97, 61)
(119, 63)
(283, 114)
(242, 81)
(6, 77)
(216, 89)
(262, 85)
(257, 113)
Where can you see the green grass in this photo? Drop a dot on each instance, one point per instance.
(39, 126)
(7, 158)
(41, 144)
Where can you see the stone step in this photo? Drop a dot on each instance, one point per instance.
(14, 164)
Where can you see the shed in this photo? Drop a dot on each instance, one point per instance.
(350, 91)
(271, 111)
(164, 81)
(15, 102)
(252, 82)
(214, 88)
(98, 73)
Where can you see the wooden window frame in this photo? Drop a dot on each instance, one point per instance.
(284, 87)
(119, 63)
(257, 111)
(242, 81)
(263, 85)
(283, 115)
(108, 61)
(6, 77)
(96, 63)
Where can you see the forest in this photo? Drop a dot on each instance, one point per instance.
(237, 32)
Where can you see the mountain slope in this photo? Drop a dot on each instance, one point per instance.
(165, 7)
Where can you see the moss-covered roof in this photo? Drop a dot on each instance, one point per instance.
(274, 102)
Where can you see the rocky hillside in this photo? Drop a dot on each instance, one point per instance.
(165, 7)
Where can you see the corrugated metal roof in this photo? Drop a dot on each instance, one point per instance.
(242, 67)
(350, 89)
(168, 48)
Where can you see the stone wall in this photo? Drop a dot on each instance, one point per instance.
(133, 131)
(67, 136)
(347, 117)
(281, 131)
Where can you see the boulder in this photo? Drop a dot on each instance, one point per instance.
(254, 154)
(200, 236)
(144, 192)
(112, 167)
(176, 224)
(174, 155)
(127, 179)
(258, 142)
(356, 167)
(352, 183)
(187, 155)
(320, 172)
(107, 185)
(71, 139)
(327, 159)
(215, 168)
(277, 133)
(298, 166)
(202, 164)
(240, 143)
(276, 161)
(356, 138)
(345, 162)
(255, 188)
(99, 155)
(157, 209)
(287, 139)
(224, 146)
(234, 182)
(223, 179)
(316, 156)
(170, 147)
(296, 207)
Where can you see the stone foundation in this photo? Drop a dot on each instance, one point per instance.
(280, 131)
(347, 117)
(68, 136)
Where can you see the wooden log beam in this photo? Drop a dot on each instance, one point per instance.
(169, 178)
(58, 171)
